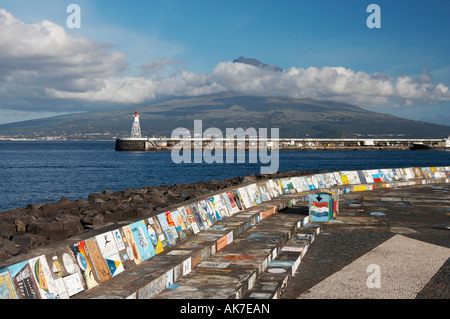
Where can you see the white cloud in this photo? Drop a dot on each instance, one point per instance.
(42, 62)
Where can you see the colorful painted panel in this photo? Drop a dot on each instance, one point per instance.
(375, 176)
(338, 178)
(191, 219)
(166, 229)
(23, 281)
(343, 177)
(242, 192)
(131, 246)
(110, 252)
(320, 207)
(158, 232)
(201, 220)
(320, 180)
(98, 263)
(42, 275)
(180, 227)
(418, 172)
(65, 269)
(142, 240)
(206, 211)
(81, 254)
(7, 290)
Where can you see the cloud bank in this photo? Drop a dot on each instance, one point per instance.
(43, 67)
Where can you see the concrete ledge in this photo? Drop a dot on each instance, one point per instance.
(231, 272)
(163, 270)
(272, 282)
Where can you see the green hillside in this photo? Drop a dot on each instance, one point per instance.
(295, 118)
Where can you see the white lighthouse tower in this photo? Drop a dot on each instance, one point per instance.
(136, 128)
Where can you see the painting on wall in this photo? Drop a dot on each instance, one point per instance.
(191, 219)
(153, 222)
(99, 265)
(168, 233)
(65, 269)
(110, 252)
(41, 273)
(142, 240)
(21, 277)
(81, 254)
(7, 290)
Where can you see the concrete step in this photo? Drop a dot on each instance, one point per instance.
(232, 271)
(163, 270)
(271, 283)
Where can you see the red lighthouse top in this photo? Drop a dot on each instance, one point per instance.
(135, 114)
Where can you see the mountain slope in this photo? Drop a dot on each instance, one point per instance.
(294, 117)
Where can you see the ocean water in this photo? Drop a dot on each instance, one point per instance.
(37, 172)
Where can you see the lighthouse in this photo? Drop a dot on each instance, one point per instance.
(136, 128)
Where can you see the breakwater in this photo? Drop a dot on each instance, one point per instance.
(284, 144)
(67, 261)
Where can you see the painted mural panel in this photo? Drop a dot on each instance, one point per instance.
(82, 257)
(199, 218)
(427, 172)
(157, 235)
(42, 275)
(168, 233)
(337, 177)
(418, 172)
(131, 246)
(192, 220)
(242, 192)
(180, 227)
(22, 278)
(320, 180)
(187, 223)
(98, 263)
(7, 290)
(124, 252)
(110, 252)
(206, 212)
(142, 240)
(344, 178)
(65, 269)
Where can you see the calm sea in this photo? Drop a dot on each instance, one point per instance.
(36, 172)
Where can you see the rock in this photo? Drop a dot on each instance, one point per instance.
(99, 201)
(6, 230)
(91, 219)
(29, 241)
(63, 201)
(49, 229)
(71, 224)
(8, 248)
(20, 226)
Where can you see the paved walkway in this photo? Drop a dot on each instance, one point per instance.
(398, 268)
(407, 242)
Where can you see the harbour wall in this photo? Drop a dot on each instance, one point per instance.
(285, 144)
(79, 266)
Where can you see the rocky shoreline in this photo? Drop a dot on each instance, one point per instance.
(33, 226)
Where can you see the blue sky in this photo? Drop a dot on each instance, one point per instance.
(184, 46)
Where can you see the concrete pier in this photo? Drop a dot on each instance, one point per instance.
(247, 241)
(286, 144)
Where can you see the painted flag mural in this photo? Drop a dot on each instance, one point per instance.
(320, 207)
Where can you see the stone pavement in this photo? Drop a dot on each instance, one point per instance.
(402, 251)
